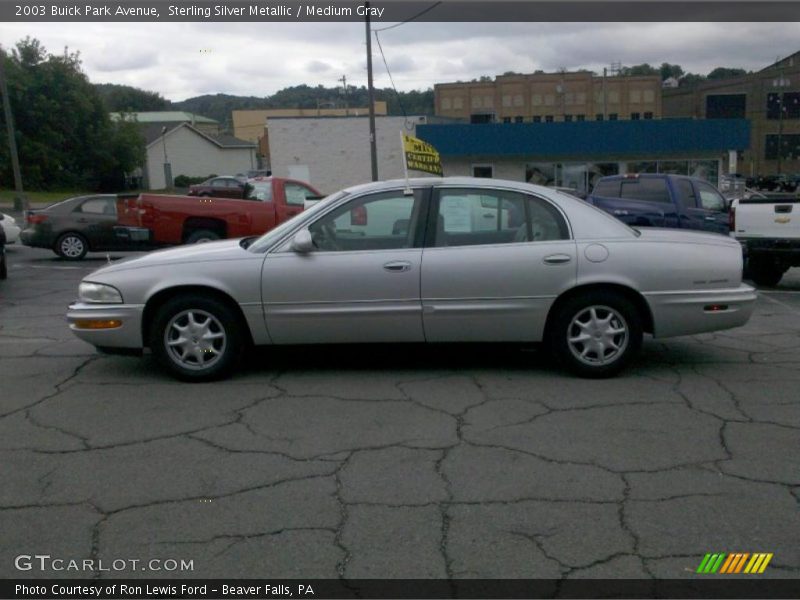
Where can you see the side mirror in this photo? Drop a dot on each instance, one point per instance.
(302, 242)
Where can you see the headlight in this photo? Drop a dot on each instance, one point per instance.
(98, 292)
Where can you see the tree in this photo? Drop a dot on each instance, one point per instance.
(726, 73)
(690, 79)
(667, 70)
(638, 70)
(126, 98)
(64, 134)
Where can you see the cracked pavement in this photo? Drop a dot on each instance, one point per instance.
(396, 463)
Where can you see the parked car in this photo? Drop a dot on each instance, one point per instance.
(768, 228)
(543, 266)
(10, 227)
(75, 226)
(661, 200)
(220, 187)
(3, 266)
(158, 220)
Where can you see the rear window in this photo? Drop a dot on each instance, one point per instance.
(645, 189)
(608, 188)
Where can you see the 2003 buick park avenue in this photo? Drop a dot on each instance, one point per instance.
(443, 260)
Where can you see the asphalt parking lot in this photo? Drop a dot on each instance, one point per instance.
(396, 462)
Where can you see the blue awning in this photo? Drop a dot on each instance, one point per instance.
(589, 139)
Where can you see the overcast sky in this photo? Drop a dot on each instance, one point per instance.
(181, 60)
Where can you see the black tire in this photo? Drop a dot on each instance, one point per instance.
(71, 246)
(196, 360)
(200, 236)
(764, 272)
(583, 358)
(3, 267)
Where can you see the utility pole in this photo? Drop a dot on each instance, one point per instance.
(343, 79)
(20, 200)
(605, 95)
(373, 147)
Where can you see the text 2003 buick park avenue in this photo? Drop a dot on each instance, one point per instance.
(445, 260)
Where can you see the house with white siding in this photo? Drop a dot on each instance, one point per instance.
(189, 151)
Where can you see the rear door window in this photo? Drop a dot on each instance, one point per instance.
(609, 189)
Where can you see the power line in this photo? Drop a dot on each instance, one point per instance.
(416, 16)
(391, 79)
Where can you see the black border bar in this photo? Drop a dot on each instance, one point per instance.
(742, 586)
(400, 10)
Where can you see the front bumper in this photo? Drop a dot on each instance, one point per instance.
(700, 311)
(127, 335)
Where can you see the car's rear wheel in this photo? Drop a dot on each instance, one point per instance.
(196, 338)
(71, 246)
(201, 236)
(596, 333)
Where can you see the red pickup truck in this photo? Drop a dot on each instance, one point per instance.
(156, 220)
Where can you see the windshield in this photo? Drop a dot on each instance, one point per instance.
(269, 238)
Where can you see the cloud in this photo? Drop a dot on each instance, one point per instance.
(318, 66)
(180, 60)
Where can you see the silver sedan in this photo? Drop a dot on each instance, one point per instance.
(431, 260)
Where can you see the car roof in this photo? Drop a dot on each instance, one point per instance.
(413, 182)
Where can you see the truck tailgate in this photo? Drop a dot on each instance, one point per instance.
(768, 218)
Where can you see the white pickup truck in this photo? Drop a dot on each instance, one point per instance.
(769, 229)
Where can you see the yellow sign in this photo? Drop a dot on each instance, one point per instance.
(421, 156)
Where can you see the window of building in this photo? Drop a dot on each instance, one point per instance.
(568, 118)
(635, 96)
(649, 96)
(613, 97)
(612, 116)
(635, 116)
(488, 101)
(791, 105)
(506, 100)
(648, 115)
(645, 166)
(580, 117)
(674, 167)
(458, 103)
(536, 99)
(518, 119)
(446, 104)
(790, 146)
(540, 173)
(537, 119)
(476, 102)
(506, 119)
(548, 118)
(598, 117)
(518, 100)
(549, 99)
(569, 98)
(480, 118)
(486, 171)
(580, 98)
(726, 106)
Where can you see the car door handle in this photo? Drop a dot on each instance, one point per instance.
(397, 266)
(620, 212)
(557, 259)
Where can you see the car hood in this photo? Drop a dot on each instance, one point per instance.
(207, 252)
(685, 236)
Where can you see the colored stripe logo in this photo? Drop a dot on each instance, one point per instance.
(734, 563)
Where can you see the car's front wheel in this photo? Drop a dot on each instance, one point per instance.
(71, 246)
(196, 338)
(596, 334)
